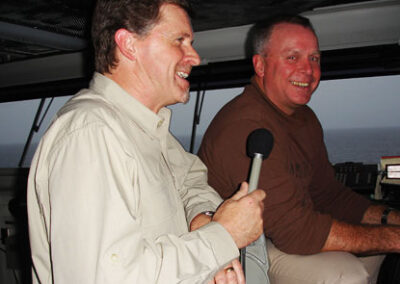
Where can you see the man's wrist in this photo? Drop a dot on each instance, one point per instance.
(208, 213)
(201, 219)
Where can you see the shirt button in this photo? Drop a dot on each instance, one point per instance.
(160, 123)
(114, 257)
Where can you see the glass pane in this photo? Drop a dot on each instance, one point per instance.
(182, 115)
(16, 120)
(360, 117)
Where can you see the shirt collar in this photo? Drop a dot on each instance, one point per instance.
(150, 122)
(297, 114)
(259, 92)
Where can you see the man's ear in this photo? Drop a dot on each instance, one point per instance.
(125, 41)
(258, 65)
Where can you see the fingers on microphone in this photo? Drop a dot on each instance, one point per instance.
(239, 271)
(261, 194)
(243, 190)
(258, 196)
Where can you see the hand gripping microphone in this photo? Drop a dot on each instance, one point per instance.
(254, 257)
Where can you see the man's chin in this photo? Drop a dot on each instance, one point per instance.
(185, 97)
(303, 99)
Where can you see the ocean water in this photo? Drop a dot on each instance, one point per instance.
(365, 145)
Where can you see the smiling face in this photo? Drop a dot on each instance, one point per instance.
(165, 57)
(288, 71)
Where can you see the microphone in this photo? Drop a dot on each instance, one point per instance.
(254, 258)
(259, 146)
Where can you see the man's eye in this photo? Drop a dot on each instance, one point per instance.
(315, 59)
(292, 57)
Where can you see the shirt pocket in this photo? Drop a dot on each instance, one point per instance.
(158, 198)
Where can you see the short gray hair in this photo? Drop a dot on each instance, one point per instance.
(261, 32)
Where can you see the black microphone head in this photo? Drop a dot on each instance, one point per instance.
(260, 141)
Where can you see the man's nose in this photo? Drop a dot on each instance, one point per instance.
(306, 66)
(193, 56)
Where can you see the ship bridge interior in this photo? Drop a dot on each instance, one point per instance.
(45, 52)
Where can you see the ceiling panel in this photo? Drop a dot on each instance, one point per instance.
(71, 19)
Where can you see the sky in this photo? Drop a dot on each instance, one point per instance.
(358, 103)
(348, 103)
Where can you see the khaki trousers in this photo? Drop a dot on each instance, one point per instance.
(322, 268)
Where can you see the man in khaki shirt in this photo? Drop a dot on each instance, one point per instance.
(112, 196)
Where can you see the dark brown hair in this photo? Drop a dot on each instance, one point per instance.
(138, 16)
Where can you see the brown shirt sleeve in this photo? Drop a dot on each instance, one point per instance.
(332, 197)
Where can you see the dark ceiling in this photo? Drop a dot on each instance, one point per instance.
(72, 18)
(29, 29)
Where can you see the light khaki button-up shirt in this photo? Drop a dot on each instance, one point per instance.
(111, 193)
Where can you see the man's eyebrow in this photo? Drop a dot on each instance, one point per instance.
(187, 35)
(297, 51)
(182, 34)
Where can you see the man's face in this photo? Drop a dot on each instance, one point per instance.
(290, 70)
(165, 57)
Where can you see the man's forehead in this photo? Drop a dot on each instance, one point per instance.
(174, 20)
(281, 29)
(290, 36)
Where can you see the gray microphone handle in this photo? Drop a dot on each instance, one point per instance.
(256, 262)
(255, 171)
(254, 257)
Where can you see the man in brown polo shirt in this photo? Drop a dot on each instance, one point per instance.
(317, 228)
